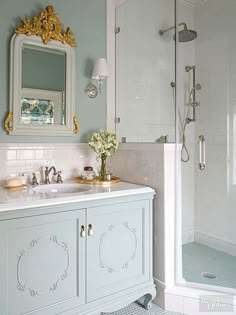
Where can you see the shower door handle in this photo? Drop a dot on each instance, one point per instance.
(202, 155)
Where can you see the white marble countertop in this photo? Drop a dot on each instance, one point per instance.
(25, 197)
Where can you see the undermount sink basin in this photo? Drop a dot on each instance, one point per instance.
(62, 189)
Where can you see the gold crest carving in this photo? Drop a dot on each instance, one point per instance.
(7, 123)
(47, 25)
(76, 124)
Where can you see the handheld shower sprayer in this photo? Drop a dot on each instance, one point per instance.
(192, 103)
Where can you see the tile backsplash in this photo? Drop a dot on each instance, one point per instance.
(17, 159)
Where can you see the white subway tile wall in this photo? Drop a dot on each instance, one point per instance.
(17, 159)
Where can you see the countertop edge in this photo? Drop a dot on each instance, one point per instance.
(75, 199)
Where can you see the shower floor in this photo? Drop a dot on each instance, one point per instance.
(198, 258)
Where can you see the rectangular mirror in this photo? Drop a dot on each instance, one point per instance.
(43, 86)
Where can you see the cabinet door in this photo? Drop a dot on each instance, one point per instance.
(39, 263)
(118, 252)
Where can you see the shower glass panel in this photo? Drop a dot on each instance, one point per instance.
(208, 194)
(145, 71)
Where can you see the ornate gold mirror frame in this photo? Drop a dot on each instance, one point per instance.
(47, 26)
(9, 118)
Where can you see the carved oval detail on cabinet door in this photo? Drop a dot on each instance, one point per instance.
(42, 265)
(117, 247)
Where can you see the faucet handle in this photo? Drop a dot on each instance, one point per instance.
(59, 178)
(34, 180)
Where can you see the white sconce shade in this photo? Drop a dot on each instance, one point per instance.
(100, 71)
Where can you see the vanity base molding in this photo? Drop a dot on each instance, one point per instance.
(116, 302)
(80, 258)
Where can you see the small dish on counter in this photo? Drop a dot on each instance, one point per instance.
(13, 187)
(15, 182)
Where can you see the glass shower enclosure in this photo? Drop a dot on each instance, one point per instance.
(206, 102)
(145, 71)
(175, 82)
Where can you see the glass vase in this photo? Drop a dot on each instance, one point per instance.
(103, 169)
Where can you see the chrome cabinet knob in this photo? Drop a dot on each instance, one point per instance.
(82, 233)
(90, 230)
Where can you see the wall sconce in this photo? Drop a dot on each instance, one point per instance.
(100, 73)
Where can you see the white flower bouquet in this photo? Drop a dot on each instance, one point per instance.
(104, 143)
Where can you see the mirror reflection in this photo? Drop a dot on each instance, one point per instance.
(43, 86)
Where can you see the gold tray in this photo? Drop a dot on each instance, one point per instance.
(97, 181)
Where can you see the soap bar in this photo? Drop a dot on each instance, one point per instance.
(14, 182)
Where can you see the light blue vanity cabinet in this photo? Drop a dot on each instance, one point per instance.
(119, 249)
(40, 256)
(79, 258)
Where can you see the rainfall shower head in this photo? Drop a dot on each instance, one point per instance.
(184, 35)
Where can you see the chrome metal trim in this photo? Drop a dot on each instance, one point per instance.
(202, 152)
(117, 30)
(161, 32)
(91, 90)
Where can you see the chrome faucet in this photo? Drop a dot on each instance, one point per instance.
(47, 172)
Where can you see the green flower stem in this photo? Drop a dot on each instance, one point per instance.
(103, 170)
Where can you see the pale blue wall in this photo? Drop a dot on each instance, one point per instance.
(43, 70)
(87, 19)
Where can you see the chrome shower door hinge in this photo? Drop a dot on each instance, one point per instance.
(117, 29)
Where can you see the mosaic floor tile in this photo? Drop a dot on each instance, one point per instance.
(137, 309)
(199, 259)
